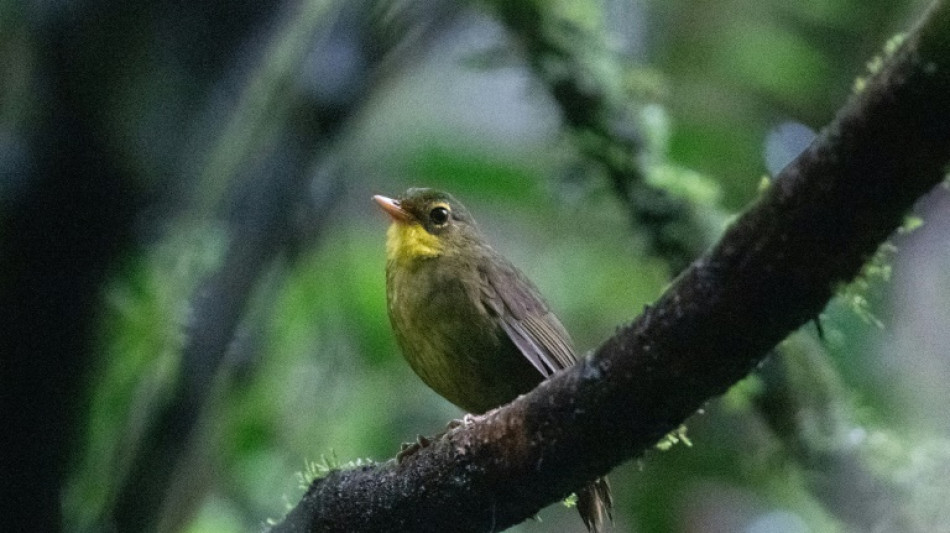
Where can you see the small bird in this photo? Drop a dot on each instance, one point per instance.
(469, 323)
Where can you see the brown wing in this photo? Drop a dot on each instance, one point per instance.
(541, 338)
(525, 317)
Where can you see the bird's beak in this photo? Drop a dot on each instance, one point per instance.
(391, 207)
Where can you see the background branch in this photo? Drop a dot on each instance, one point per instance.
(775, 269)
(259, 178)
(587, 81)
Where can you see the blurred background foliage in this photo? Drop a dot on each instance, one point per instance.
(240, 331)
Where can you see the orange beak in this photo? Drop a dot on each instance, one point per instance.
(391, 207)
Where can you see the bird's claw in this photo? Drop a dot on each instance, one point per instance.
(465, 421)
(408, 448)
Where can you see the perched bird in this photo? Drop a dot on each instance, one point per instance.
(469, 323)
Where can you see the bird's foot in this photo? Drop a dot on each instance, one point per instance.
(465, 421)
(408, 448)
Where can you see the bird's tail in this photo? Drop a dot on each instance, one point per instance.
(595, 505)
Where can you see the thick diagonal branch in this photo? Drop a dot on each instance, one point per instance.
(774, 269)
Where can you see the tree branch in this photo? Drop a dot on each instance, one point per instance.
(299, 128)
(773, 270)
(580, 72)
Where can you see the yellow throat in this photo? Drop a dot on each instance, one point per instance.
(410, 241)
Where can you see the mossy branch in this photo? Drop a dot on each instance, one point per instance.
(587, 82)
(774, 269)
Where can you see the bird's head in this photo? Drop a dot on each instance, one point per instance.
(427, 223)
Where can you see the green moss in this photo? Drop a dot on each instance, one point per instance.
(911, 223)
(876, 63)
(673, 438)
(570, 502)
(314, 470)
(855, 294)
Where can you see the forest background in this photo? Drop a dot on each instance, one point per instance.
(194, 269)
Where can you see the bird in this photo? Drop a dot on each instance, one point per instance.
(470, 324)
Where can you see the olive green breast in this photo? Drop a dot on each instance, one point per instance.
(449, 338)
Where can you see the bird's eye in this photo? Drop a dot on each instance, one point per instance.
(439, 216)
